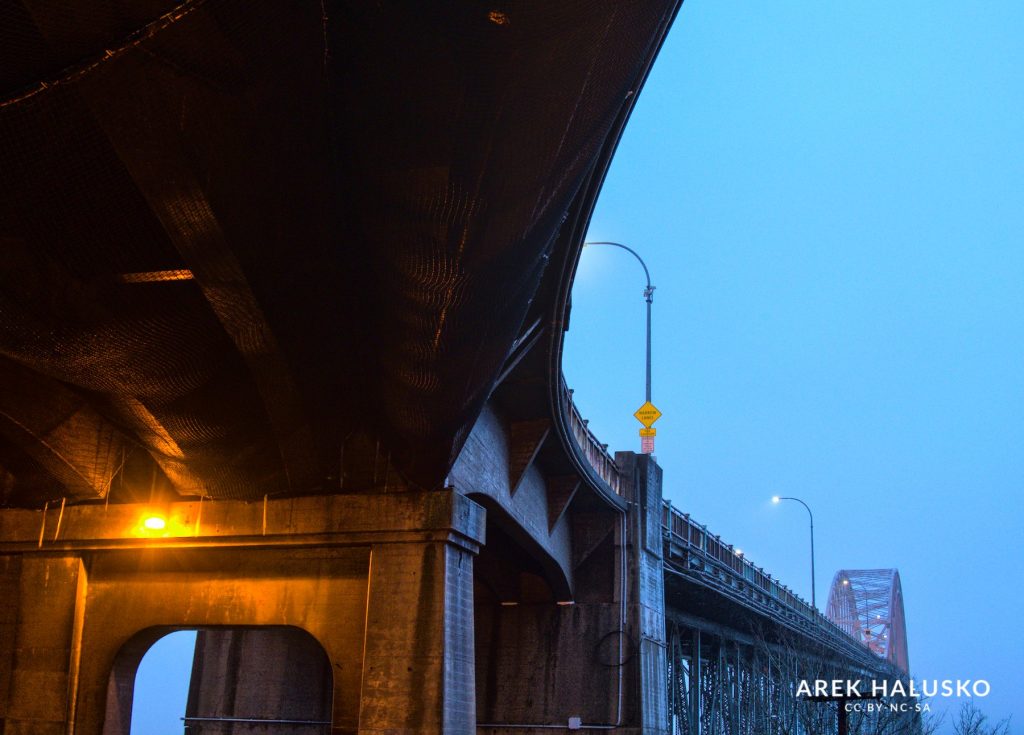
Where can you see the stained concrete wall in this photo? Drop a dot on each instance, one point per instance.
(647, 587)
(600, 661)
(483, 469)
(43, 650)
(542, 664)
(244, 678)
(322, 591)
(384, 585)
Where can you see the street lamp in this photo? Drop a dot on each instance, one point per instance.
(648, 297)
(777, 499)
(647, 414)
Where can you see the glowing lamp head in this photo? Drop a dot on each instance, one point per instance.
(154, 523)
(846, 582)
(739, 552)
(776, 499)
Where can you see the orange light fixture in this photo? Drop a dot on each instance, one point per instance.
(154, 523)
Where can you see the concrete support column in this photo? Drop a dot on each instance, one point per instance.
(252, 674)
(418, 661)
(647, 604)
(46, 645)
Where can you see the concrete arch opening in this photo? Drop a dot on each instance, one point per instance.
(511, 568)
(272, 680)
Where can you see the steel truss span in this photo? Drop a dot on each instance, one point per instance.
(720, 685)
(868, 605)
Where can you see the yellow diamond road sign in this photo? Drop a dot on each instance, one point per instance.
(647, 414)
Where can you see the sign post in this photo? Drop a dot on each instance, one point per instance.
(647, 414)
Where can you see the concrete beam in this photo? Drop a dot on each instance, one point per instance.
(60, 431)
(485, 467)
(525, 440)
(322, 520)
(561, 491)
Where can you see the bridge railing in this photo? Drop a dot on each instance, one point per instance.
(593, 450)
(699, 539)
(696, 536)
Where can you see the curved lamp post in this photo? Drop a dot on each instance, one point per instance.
(777, 499)
(648, 297)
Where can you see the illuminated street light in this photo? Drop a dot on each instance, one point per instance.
(777, 499)
(155, 523)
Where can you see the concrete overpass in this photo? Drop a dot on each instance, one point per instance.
(292, 278)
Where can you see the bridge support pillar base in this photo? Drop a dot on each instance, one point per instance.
(648, 590)
(41, 627)
(418, 661)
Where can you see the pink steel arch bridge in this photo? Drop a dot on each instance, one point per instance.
(867, 604)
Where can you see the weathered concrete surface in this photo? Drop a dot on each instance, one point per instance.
(10, 582)
(322, 591)
(350, 571)
(45, 645)
(542, 664)
(384, 584)
(648, 590)
(259, 674)
(489, 465)
(329, 519)
(600, 661)
(418, 661)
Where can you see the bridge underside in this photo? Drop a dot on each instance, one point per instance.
(293, 277)
(270, 247)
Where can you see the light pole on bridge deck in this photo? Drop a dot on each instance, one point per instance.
(777, 499)
(649, 298)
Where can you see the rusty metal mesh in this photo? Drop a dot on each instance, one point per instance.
(254, 243)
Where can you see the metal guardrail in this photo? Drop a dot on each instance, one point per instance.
(710, 547)
(697, 538)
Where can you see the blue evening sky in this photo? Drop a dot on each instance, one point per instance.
(830, 197)
(161, 685)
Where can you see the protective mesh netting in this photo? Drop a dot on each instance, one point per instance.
(248, 245)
